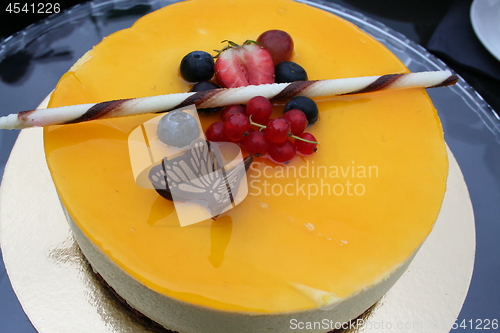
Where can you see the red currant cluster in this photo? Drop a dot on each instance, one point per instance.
(252, 127)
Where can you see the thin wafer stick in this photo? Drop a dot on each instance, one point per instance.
(221, 97)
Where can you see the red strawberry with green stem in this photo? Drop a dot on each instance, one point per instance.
(243, 65)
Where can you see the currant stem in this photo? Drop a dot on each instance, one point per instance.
(255, 124)
(291, 135)
(305, 140)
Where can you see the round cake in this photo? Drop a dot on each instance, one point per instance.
(316, 241)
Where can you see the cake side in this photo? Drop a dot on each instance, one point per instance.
(189, 318)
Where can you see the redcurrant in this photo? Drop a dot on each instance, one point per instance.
(236, 126)
(215, 132)
(278, 130)
(282, 152)
(256, 143)
(229, 110)
(304, 147)
(297, 119)
(260, 108)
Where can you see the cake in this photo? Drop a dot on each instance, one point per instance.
(315, 243)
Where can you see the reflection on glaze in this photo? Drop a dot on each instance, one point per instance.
(220, 235)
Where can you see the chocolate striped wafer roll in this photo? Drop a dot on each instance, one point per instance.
(225, 96)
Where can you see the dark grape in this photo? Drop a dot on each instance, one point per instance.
(279, 44)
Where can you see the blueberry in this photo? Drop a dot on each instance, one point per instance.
(202, 86)
(307, 105)
(289, 71)
(197, 66)
(178, 129)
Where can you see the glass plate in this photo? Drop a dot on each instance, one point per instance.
(54, 283)
(485, 18)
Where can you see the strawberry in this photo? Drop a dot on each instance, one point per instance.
(243, 65)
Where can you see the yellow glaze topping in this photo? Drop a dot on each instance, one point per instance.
(309, 233)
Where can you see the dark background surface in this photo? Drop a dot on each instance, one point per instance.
(12, 23)
(442, 26)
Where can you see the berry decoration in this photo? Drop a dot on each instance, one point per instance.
(215, 132)
(243, 65)
(197, 66)
(252, 63)
(306, 147)
(297, 120)
(256, 143)
(178, 129)
(306, 105)
(236, 127)
(278, 130)
(289, 71)
(260, 108)
(202, 86)
(279, 44)
(283, 152)
(228, 111)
